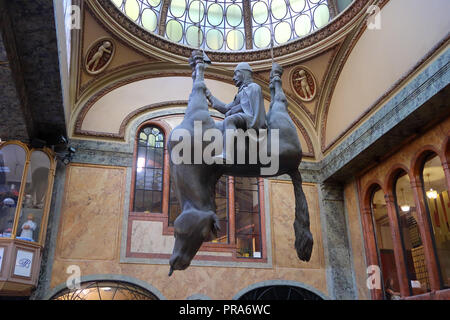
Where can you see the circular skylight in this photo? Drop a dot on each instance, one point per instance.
(228, 25)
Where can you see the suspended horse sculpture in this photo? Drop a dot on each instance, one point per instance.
(195, 180)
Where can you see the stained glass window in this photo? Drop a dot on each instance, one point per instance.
(149, 171)
(219, 24)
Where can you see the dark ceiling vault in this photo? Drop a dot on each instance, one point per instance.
(31, 103)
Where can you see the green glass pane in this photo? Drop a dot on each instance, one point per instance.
(279, 9)
(302, 25)
(215, 14)
(177, 7)
(174, 30)
(282, 32)
(260, 12)
(235, 40)
(196, 11)
(118, 3)
(132, 9)
(154, 3)
(234, 15)
(297, 5)
(143, 136)
(321, 16)
(192, 36)
(149, 20)
(214, 39)
(262, 37)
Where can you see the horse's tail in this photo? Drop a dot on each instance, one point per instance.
(303, 237)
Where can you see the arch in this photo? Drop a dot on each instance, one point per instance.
(419, 157)
(108, 277)
(165, 162)
(268, 283)
(393, 175)
(370, 188)
(446, 148)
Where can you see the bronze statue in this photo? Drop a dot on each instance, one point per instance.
(194, 183)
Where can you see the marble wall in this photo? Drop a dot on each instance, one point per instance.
(91, 225)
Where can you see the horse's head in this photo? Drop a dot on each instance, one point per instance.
(192, 228)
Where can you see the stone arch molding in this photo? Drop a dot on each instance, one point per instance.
(109, 277)
(280, 283)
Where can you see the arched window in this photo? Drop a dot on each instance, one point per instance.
(280, 292)
(412, 243)
(105, 290)
(438, 207)
(384, 243)
(149, 170)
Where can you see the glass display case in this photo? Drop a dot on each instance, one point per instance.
(26, 181)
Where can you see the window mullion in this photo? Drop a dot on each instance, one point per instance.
(231, 211)
(247, 24)
(163, 17)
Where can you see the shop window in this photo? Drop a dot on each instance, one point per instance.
(412, 243)
(384, 243)
(149, 170)
(438, 207)
(12, 163)
(105, 290)
(246, 213)
(24, 192)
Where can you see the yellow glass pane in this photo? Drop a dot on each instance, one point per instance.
(215, 14)
(193, 37)
(149, 20)
(321, 16)
(235, 40)
(302, 25)
(282, 32)
(177, 7)
(297, 5)
(234, 15)
(174, 30)
(196, 11)
(260, 12)
(132, 9)
(262, 37)
(279, 9)
(154, 3)
(214, 39)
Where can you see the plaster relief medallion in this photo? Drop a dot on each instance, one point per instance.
(99, 56)
(304, 83)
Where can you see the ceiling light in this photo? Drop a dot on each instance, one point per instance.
(432, 194)
(405, 208)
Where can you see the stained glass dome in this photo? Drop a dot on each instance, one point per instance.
(228, 25)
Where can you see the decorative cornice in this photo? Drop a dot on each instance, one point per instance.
(250, 55)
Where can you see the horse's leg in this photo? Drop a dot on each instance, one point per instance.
(303, 237)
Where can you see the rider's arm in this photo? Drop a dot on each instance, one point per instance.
(219, 105)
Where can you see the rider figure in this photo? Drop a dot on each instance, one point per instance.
(247, 109)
